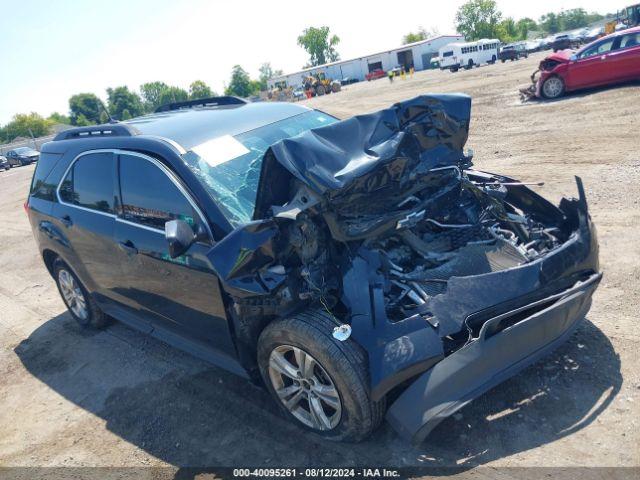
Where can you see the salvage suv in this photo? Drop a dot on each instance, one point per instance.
(357, 269)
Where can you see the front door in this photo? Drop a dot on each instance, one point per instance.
(593, 66)
(179, 294)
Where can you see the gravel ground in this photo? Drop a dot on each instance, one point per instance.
(117, 398)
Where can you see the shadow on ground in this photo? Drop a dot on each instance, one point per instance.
(188, 413)
(581, 93)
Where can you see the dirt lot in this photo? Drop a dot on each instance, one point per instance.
(117, 398)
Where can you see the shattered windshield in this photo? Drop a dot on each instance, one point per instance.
(229, 166)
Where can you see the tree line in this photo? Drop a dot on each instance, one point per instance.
(478, 19)
(124, 103)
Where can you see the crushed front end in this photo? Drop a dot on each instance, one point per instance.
(552, 65)
(451, 279)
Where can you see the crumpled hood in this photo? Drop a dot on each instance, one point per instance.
(366, 155)
(560, 56)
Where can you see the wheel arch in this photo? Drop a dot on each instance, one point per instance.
(49, 257)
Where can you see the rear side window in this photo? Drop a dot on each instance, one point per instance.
(631, 40)
(90, 183)
(40, 188)
(149, 196)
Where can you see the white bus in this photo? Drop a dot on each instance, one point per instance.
(467, 54)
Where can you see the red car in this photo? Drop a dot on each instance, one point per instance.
(611, 59)
(375, 74)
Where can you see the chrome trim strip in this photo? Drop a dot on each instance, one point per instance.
(139, 225)
(66, 172)
(152, 160)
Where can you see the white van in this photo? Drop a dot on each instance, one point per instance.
(467, 54)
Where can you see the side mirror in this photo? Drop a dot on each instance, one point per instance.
(573, 57)
(180, 237)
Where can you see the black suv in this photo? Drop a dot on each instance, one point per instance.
(513, 52)
(340, 264)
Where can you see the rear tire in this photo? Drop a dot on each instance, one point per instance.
(338, 367)
(79, 302)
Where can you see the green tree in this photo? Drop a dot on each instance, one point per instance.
(320, 45)
(199, 89)
(82, 121)
(266, 73)
(507, 30)
(524, 26)
(172, 95)
(59, 118)
(86, 105)
(478, 19)
(151, 93)
(550, 23)
(240, 84)
(421, 34)
(27, 125)
(121, 99)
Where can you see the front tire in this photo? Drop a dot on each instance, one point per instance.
(79, 302)
(553, 87)
(320, 383)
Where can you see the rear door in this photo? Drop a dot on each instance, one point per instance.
(181, 295)
(593, 66)
(85, 216)
(626, 59)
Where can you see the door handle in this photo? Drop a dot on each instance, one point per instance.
(128, 247)
(66, 221)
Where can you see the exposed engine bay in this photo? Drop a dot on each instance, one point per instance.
(381, 221)
(470, 229)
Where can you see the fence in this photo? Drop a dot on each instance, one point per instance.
(25, 142)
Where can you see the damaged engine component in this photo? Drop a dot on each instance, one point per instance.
(381, 222)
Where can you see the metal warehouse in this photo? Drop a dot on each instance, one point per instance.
(417, 55)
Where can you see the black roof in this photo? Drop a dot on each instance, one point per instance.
(193, 126)
(190, 126)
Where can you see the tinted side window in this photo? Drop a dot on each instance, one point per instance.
(149, 197)
(40, 187)
(89, 183)
(598, 49)
(631, 40)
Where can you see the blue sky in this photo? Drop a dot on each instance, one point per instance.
(50, 50)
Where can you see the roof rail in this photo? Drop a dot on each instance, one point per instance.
(201, 102)
(106, 130)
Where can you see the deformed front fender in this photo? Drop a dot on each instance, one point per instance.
(241, 256)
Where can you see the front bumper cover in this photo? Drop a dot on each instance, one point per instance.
(490, 359)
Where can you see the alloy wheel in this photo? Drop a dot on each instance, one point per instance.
(304, 387)
(552, 87)
(72, 294)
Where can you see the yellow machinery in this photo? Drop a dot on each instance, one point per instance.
(629, 16)
(319, 84)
